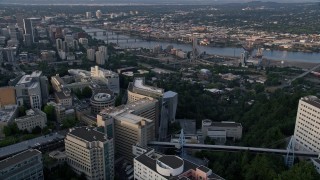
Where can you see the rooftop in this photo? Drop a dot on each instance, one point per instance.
(131, 107)
(312, 100)
(18, 158)
(173, 162)
(7, 113)
(208, 122)
(139, 83)
(169, 94)
(31, 143)
(87, 134)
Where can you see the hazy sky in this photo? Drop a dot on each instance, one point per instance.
(139, 1)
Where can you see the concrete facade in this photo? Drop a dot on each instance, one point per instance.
(25, 165)
(90, 152)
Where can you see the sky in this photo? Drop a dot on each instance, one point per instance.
(139, 1)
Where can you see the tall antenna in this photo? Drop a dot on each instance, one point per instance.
(182, 142)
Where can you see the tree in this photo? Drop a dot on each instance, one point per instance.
(259, 88)
(50, 111)
(36, 130)
(87, 92)
(69, 122)
(11, 129)
(22, 111)
(301, 170)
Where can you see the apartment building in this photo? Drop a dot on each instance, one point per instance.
(25, 165)
(90, 152)
(32, 119)
(307, 128)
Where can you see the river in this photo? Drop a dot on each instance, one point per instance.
(131, 42)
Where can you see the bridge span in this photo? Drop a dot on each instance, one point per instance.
(233, 149)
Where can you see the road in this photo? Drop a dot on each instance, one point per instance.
(303, 74)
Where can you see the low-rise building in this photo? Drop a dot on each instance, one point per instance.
(62, 112)
(33, 118)
(148, 164)
(64, 97)
(220, 131)
(7, 116)
(25, 165)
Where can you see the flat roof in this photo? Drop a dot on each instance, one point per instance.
(204, 169)
(88, 134)
(139, 83)
(61, 95)
(131, 107)
(225, 124)
(312, 100)
(31, 143)
(18, 158)
(169, 94)
(172, 161)
(7, 113)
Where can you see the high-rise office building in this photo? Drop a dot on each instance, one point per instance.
(168, 113)
(100, 58)
(130, 124)
(167, 103)
(104, 50)
(59, 44)
(90, 54)
(13, 32)
(65, 46)
(32, 90)
(90, 152)
(25, 165)
(27, 40)
(10, 54)
(88, 15)
(28, 28)
(306, 132)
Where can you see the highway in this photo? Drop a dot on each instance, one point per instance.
(233, 149)
(303, 74)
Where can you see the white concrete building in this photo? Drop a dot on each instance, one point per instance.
(110, 78)
(33, 118)
(220, 131)
(149, 164)
(100, 59)
(32, 90)
(90, 152)
(307, 129)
